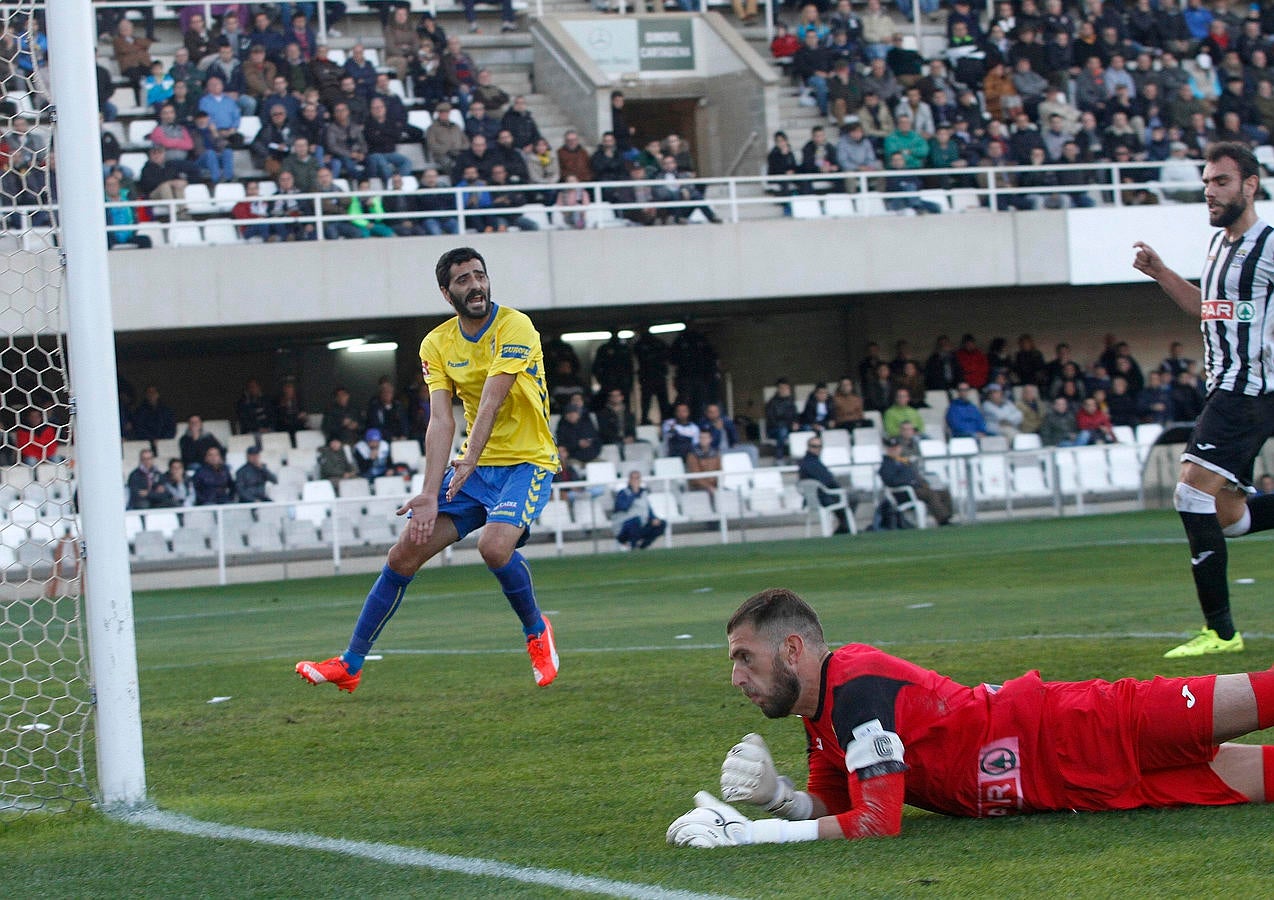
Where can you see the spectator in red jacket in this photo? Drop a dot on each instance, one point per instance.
(973, 363)
(36, 440)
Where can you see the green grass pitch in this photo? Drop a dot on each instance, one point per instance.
(449, 747)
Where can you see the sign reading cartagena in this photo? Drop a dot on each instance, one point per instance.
(665, 46)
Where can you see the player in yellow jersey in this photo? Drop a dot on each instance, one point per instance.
(490, 357)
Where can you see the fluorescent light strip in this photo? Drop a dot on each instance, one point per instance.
(374, 348)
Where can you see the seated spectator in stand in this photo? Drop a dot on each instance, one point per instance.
(1058, 428)
(964, 419)
(847, 406)
(901, 411)
(680, 433)
(122, 219)
(703, 458)
(383, 158)
(367, 212)
(180, 486)
(146, 486)
(254, 410)
(616, 423)
(812, 65)
(302, 165)
(35, 440)
(346, 145)
(634, 524)
(818, 157)
(400, 208)
(1094, 423)
(1187, 398)
(195, 442)
(152, 419)
(897, 470)
(289, 412)
(855, 151)
(1001, 415)
(333, 463)
(213, 482)
(132, 55)
(813, 468)
(577, 433)
(725, 435)
(212, 150)
(273, 142)
(252, 477)
(781, 418)
(157, 87)
(372, 455)
(906, 184)
(1032, 409)
(672, 186)
(1121, 404)
(1154, 402)
(254, 206)
(817, 413)
(341, 420)
(435, 203)
(386, 414)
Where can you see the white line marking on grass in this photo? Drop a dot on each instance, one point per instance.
(408, 856)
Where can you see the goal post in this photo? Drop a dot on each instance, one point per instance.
(108, 599)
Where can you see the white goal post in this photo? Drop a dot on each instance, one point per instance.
(53, 285)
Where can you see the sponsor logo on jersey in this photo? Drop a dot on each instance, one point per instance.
(1218, 309)
(1000, 778)
(457, 364)
(515, 351)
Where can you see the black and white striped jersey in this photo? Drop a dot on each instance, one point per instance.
(1238, 322)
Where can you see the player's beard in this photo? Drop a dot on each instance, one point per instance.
(461, 304)
(786, 691)
(1228, 214)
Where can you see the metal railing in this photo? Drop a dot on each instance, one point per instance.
(991, 189)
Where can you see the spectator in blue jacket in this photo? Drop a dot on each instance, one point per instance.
(964, 419)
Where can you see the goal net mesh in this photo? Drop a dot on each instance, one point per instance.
(45, 695)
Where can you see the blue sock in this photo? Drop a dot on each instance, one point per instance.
(382, 602)
(515, 578)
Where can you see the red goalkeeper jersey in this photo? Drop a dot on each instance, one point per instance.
(1024, 746)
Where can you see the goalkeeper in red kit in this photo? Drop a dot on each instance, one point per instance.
(884, 732)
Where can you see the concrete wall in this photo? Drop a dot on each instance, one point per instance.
(777, 297)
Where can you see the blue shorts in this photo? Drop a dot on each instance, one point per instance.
(512, 495)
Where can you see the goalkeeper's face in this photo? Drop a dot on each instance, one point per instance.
(469, 291)
(762, 674)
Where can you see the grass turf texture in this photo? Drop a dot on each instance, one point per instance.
(448, 746)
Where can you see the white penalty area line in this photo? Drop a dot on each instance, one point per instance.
(407, 856)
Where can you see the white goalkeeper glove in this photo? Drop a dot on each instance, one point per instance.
(748, 776)
(715, 824)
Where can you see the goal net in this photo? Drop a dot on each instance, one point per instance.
(45, 695)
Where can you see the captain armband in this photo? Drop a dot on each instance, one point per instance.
(874, 751)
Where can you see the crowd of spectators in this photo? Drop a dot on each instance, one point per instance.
(999, 392)
(1037, 82)
(349, 119)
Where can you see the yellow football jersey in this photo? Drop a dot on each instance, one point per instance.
(452, 361)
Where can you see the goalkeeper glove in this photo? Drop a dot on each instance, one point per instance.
(715, 824)
(748, 775)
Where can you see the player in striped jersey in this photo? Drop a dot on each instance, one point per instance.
(1214, 496)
